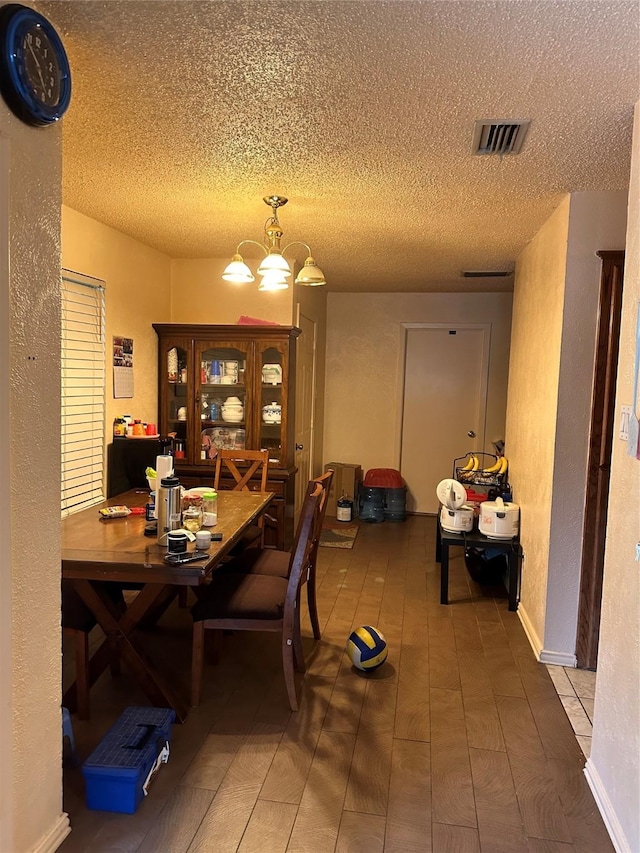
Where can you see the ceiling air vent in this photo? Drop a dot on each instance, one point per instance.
(496, 136)
(486, 273)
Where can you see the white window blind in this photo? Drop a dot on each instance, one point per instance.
(82, 391)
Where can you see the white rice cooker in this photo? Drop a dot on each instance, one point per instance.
(455, 515)
(499, 520)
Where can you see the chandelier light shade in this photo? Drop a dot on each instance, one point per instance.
(310, 274)
(238, 272)
(274, 268)
(274, 280)
(274, 262)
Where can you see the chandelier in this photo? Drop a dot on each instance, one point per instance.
(274, 268)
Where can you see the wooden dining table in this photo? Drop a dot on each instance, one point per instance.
(116, 549)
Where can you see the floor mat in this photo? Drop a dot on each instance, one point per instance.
(338, 537)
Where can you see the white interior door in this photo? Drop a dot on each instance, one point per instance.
(445, 389)
(305, 392)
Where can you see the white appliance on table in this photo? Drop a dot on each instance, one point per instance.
(499, 519)
(456, 516)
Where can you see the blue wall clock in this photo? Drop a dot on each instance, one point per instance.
(35, 78)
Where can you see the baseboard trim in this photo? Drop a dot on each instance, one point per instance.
(530, 631)
(56, 835)
(543, 655)
(558, 658)
(605, 807)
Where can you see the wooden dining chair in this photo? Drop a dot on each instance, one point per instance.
(276, 563)
(252, 602)
(239, 467)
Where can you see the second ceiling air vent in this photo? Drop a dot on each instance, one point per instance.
(499, 136)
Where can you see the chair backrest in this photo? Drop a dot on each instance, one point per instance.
(303, 544)
(251, 462)
(325, 482)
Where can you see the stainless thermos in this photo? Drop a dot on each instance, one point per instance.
(168, 507)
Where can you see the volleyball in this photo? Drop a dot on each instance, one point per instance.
(367, 648)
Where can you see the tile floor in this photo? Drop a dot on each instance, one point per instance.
(576, 689)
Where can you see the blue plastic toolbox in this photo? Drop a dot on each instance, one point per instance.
(118, 771)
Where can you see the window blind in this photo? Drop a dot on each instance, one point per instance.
(82, 391)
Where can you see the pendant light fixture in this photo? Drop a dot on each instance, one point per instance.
(274, 268)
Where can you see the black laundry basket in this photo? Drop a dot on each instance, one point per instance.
(484, 568)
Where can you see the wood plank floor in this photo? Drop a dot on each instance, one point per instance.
(457, 743)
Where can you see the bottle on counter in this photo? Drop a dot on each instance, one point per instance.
(119, 427)
(168, 507)
(210, 506)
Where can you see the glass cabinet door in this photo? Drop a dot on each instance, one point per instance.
(272, 405)
(222, 399)
(176, 419)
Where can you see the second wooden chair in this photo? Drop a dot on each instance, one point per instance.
(251, 602)
(276, 563)
(235, 470)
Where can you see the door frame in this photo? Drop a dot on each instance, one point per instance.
(594, 530)
(405, 328)
(314, 382)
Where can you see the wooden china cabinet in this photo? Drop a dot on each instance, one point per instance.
(231, 387)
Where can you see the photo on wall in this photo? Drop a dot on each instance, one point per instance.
(122, 367)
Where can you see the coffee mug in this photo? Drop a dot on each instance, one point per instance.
(151, 429)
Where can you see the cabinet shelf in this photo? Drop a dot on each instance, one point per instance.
(224, 424)
(222, 387)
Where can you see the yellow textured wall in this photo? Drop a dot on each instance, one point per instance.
(199, 295)
(31, 814)
(363, 401)
(615, 750)
(597, 221)
(137, 294)
(532, 401)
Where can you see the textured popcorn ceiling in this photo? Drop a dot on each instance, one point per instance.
(185, 114)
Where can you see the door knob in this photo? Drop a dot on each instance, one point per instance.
(299, 446)
(471, 434)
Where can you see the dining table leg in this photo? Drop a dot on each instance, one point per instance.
(121, 627)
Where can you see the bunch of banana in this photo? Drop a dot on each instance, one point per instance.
(500, 466)
(472, 463)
